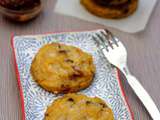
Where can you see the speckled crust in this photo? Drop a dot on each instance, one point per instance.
(110, 11)
(60, 68)
(78, 107)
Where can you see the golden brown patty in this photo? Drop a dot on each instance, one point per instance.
(78, 107)
(60, 68)
(109, 11)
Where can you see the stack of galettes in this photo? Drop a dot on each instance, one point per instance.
(60, 68)
(113, 9)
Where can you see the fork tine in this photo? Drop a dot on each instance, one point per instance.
(107, 39)
(110, 37)
(103, 38)
(100, 37)
(99, 40)
(96, 40)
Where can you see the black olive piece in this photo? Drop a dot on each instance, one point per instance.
(103, 105)
(59, 46)
(62, 51)
(69, 60)
(46, 114)
(70, 99)
(88, 102)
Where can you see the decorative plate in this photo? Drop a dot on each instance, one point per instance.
(35, 99)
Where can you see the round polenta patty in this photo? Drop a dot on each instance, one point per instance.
(78, 107)
(60, 68)
(112, 12)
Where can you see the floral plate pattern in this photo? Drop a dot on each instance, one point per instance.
(35, 99)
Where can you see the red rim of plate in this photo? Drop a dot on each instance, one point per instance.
(20, 86)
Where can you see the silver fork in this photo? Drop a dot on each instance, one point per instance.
(116, 54)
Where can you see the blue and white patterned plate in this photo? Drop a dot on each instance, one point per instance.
(35, 99)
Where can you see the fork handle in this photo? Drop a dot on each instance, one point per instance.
(143, 95)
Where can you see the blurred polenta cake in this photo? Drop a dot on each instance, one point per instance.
(112, 9)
